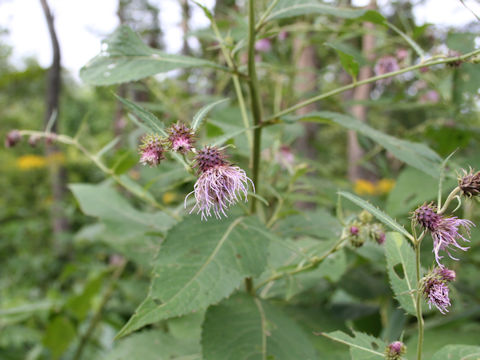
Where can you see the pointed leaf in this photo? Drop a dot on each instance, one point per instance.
(125, 58)
(289, 8)
(203, 112)
(147, 119)
(199, 264)
(362, 346)
(401, 270)
(379, 214)
(417, 155)
(460, 352)
(244, 327)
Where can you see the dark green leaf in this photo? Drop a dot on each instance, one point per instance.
(199, 264)
(289, 8)
(244, 327)
(147, 120)
(58, 335)
(362, 346)
(460, 352)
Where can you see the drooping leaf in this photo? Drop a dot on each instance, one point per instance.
(417, 155)
(349, 64)
(244, 327)
(124, 57)
(203, 112)
(461, 352)
(379, 214)
(114, 210)
(154, 345)
(199, 264)
(401, 271)
(289, 8)
(362, 346)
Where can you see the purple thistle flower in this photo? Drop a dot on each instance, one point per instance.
(180, 138)
(444, 230)
(434, 287)
(354, 230)
(151, 150)
(12, 138)
(219, 185)
(384, 65)
(395, 350)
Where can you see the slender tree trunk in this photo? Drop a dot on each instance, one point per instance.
(185, 26)
(305, 82)
(58, 172)
(361, 93)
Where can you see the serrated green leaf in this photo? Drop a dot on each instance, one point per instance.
(417, 155)
(244, 327)
(203, 112)
(289, 8)
(401, 270)
(379, 214)
(460, 352)
(199, 264)
(147, 120)
(125, 58)
(154, 345)
(362, 346)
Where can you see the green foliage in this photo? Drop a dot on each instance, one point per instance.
(456, 352)
(202, 263)
(243, 327)
(289, 8)
(362, 346)
(126, 58)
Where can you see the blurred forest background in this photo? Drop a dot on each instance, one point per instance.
(62, 294)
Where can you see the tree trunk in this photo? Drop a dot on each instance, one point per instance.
(58, 172)
(305, 82)
(361, 93)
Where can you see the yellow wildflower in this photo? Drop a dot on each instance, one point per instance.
(28, 162)
(364, 187)
(169, 197)
(384, 186)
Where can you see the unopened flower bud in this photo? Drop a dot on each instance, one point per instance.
(365, 217)
(454, 63)
(354, 230)
(378, 233)
(395, 350)
(12, 138)
(180, 138)
(33, 140)
(469, 183)
(151, 150)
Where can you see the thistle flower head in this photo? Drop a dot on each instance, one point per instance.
(263, 45)
(395, 350)
(180, 138)
(469, 183)
(220, 184)
(354, 230)
(445, 230)
(378, 233)
(151, 150)
(434, 287)
(12, 138)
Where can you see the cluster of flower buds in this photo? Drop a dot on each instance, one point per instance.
(362, 229)
(14, 137)
(385, 65)
(434, 287)
(446, 232)
(220, 184)
(395, 350)
(152, 149)
(455, 63)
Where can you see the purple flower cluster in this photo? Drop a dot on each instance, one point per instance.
(151, 150)
(219, 185)
(434, 287)
(445, 230)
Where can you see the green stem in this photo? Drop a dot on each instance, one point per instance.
(419, 301)
(236, 80)
(64, 139)
(98, 315)
(449, 199)
(255, 99)
(367, 81)
(264, 16)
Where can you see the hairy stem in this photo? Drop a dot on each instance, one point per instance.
(339, 90)
(419, 301)
(449, 199)
(255, 100)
